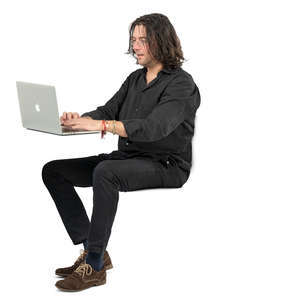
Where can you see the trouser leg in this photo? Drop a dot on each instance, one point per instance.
(112, 176)
(107, 177)
(60, 177)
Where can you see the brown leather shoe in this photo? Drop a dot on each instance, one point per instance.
(82, 278)
(81, 259)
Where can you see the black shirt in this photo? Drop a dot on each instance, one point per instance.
(158, 117)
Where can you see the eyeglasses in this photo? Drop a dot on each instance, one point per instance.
(142, 42)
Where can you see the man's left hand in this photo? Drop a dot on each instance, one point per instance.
(83, 124)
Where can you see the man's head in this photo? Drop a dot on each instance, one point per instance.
(154, 37)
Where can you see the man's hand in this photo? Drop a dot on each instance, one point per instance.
(84, 124)
(68, 116)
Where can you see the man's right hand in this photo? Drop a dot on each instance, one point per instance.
(69, 116)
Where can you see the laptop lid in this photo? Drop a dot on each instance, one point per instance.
(38, 107)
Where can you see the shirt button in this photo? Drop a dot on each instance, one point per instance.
(136, 109)
(168, 162)
(127, 144)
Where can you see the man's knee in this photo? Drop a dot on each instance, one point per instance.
(103, 170)
(48, 169)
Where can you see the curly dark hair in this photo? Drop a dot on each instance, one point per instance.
(162, 39)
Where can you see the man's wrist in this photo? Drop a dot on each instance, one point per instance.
(100, 125)
(116, 127)
(107, 124)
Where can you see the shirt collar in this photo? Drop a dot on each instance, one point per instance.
(164, 70)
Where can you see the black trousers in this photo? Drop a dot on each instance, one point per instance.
(107, 177)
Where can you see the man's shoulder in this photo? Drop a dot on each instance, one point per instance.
(181, 75)
(184, 74)
(136, 72)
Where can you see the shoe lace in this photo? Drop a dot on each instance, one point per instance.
(84, 269)
(81, 256)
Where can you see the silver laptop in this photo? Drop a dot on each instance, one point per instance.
(39, 110)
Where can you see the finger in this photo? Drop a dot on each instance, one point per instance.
(62, 119)
(76, 115)
(65, 115)
(70, 122)
(69, 116)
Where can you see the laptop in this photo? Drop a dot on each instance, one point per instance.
(39, 110)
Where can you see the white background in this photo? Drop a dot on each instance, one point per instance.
(232, 231)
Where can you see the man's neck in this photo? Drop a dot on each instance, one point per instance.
(153, 70)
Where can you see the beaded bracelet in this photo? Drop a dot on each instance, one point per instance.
(114, 128)
(103, 132)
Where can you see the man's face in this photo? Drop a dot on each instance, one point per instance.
(141, 47)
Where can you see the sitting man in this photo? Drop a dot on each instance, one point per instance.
(153, 113)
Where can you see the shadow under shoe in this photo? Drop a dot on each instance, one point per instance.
(64, 272)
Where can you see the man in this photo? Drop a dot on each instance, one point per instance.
(153, 113)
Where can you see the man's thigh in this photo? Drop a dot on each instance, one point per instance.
(137, 173)
(78, 171)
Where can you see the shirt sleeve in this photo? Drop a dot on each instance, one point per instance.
(179, 97)
(111, 109)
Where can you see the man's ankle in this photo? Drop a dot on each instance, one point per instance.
(95, 260)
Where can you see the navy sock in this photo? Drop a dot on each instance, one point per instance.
(85, 244)
(95, 260)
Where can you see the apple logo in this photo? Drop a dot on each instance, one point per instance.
(37, 108)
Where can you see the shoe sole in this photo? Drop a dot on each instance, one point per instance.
(95, 284)
(107, 267)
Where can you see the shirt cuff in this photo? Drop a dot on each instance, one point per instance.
(132, 127)
(85, 115)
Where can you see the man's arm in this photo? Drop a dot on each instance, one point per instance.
(119, 127)
(179, 101)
